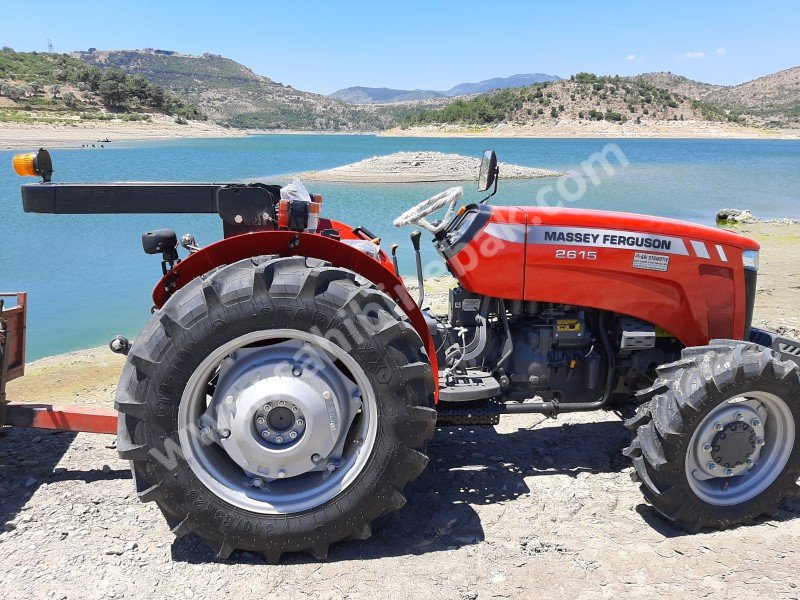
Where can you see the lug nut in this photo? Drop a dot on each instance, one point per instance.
(225, 433)
(707, 447)
(760, 442)
(719, 426)
(292, 434)
(257, 482)
(261, 420)
(229, 399)
(750, 464)
(315, 458)
(281, 474)
(326, 395)
(265, 433)
(728, 472)
(711, 466)
(756, 422)
(739, 416)
(281, 403)
(279, 439)
(295, 409)
(297, 371)
(299, 422)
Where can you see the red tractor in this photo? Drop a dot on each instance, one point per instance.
(283, 392)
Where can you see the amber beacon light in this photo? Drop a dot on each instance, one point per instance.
(34, 163)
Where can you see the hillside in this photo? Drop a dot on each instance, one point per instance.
(60, 89)
(584, 97)
(772, 100)
(232, 94)
(368, 95)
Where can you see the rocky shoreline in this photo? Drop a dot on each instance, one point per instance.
(418, 167)
(737, 217)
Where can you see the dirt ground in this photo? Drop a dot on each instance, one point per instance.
(533, 507)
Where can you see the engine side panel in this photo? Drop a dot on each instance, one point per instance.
(685, 278)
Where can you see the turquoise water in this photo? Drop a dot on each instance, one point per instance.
(88, 279)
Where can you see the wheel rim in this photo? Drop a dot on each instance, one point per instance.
(292, 421)
(740, 448)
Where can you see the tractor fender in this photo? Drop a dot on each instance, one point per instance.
(290, 243)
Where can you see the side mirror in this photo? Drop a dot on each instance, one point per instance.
(488, 172)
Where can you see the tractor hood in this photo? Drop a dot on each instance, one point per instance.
(571, 217)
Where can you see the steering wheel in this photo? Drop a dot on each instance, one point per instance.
(416, 214)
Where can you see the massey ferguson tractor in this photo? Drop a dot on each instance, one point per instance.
(283, 392)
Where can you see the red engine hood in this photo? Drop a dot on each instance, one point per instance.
(579, 217)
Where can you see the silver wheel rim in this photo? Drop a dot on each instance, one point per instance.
(740, 448)
(237, 468)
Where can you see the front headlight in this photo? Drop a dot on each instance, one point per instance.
(750, 259)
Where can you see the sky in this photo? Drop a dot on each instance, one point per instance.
(324, 46)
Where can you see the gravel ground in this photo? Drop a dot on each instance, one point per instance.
(531, 507)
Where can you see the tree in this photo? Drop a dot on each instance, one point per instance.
(70, 100)
(36, 87)
(113, 91)
(156, 96)
(55, 90)
(13, 91)
(139, 88)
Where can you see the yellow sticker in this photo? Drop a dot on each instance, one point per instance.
(568, 325)
(663, 333)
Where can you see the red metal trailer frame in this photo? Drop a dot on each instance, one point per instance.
(13, 322)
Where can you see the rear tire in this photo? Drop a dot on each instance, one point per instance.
(266, 294)
(717, 445)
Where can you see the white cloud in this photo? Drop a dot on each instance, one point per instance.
(722, 51)
(693, 55)
(631, 57)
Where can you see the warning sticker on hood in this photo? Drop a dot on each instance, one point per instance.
(651, 262)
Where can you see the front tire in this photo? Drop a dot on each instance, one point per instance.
(236, 362)
(717, 445)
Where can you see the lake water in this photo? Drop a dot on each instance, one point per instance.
(88, 279)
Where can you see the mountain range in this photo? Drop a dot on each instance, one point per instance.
(370, 95)
(231, 94)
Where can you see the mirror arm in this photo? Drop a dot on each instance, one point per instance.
(494, 191)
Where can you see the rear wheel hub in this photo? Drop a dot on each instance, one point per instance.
(292, 421)
(280, 411)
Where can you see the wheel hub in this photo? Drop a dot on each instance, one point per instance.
(734, 445)
(286, 412)
(727, 444)
(279, 423)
